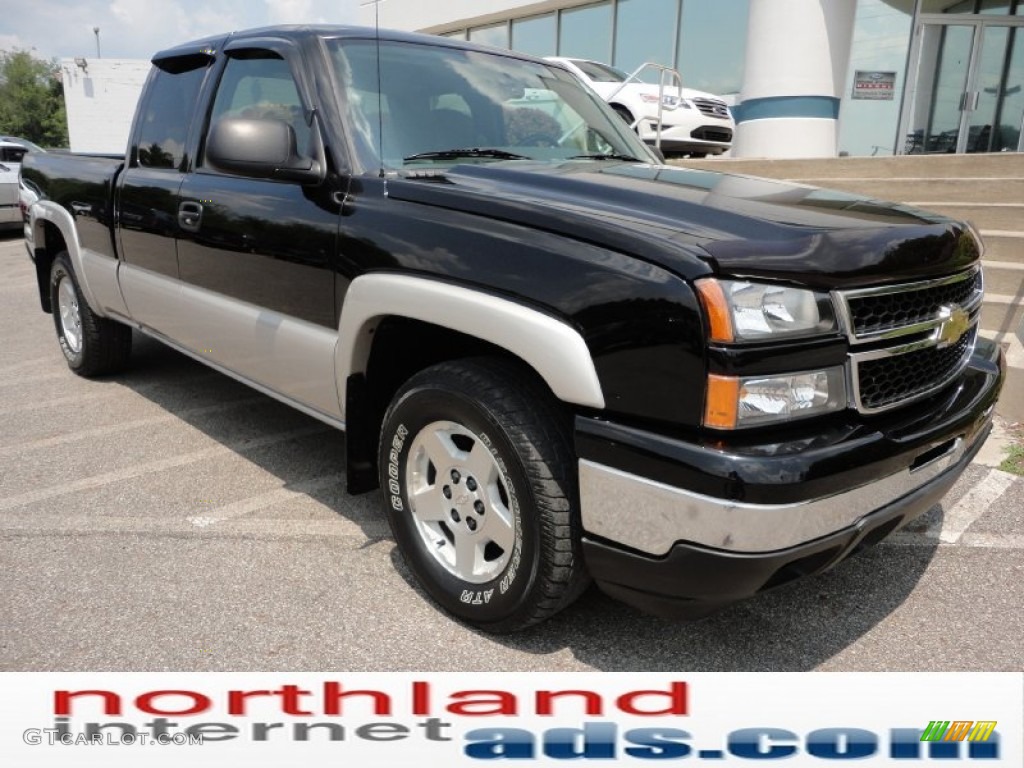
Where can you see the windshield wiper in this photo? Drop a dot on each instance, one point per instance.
(598, 156)
(452, 154)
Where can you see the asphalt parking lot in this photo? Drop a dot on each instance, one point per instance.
(172, 519)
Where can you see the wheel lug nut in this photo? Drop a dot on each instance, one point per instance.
(455, 515)
(478, 506)
(456, 476)
(471, 483)
(471, 523)
(447, 491)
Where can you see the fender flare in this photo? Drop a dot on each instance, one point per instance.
(550, 346)
(48, 210)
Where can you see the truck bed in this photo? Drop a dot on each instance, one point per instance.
(82, 184)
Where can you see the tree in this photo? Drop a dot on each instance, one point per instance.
(32, 99)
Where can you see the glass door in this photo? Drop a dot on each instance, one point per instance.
(969, 94)
(952, 47)
(994, 123)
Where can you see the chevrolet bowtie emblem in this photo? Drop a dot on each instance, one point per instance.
(954, 322)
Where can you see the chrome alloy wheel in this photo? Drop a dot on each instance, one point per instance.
(70, 314)
(459, 498)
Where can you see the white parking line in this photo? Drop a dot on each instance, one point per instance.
(336, 526)
(264, 500)
(20, 380)
(89, 434)
(973, 505)
(159, 465)
(111, 389)
(58, 402)
(969, 540)
(26, 364)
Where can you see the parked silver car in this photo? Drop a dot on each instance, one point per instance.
(12, 149)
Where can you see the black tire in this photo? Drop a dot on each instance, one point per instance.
(624, 113)
(698, 155)
(513, 421)
(91, 344)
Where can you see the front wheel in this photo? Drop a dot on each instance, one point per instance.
(479, 485)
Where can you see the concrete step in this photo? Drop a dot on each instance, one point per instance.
(1011, 401)
(1005, 216)
(1004, 278)
(1010, 404)
(999, 165)
(974, 190)
(1002, 312)
(1003, 246)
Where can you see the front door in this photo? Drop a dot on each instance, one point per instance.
(256, 255)
(969, 94)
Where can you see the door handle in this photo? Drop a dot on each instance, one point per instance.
(190, 216)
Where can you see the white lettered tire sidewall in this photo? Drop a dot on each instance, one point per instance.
(483, 603)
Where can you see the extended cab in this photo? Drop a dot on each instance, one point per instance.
(558, 358)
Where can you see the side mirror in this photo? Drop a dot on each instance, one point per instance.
(259, 148)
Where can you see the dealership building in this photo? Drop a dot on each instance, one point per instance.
(807, 77)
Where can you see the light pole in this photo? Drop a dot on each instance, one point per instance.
(96, 31)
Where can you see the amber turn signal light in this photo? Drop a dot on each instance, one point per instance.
(717, 309)
(721, 408)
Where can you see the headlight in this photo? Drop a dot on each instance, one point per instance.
(734, 401)
(743, 311)
(669, 102)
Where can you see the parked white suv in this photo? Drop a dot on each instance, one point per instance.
(692, 122)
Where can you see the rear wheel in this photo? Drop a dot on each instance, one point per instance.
(480, 492)
(92, 345)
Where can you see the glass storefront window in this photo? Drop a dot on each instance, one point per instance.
(495, 34)
(645, 31)
(459, 34)
(586, 33)
(986, 7)
(537, 35)
(881, 40)
(713, 44)
(1011, 111)
(995, 7)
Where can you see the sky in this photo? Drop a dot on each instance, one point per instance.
(136, 29)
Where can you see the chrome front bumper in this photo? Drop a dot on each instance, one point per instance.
(650, 517)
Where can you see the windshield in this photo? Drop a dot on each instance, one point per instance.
(431, 105)
(600, 73)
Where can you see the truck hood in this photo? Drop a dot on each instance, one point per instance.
(693, 222)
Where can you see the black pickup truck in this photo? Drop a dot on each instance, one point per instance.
(559, 358)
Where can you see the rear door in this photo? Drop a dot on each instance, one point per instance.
(148, 191)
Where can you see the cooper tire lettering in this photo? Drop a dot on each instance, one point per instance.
(484, 512)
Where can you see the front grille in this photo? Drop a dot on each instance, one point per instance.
(878, 313)
(712, 108)
(909, 340)
(707, 133)
(886, 381)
